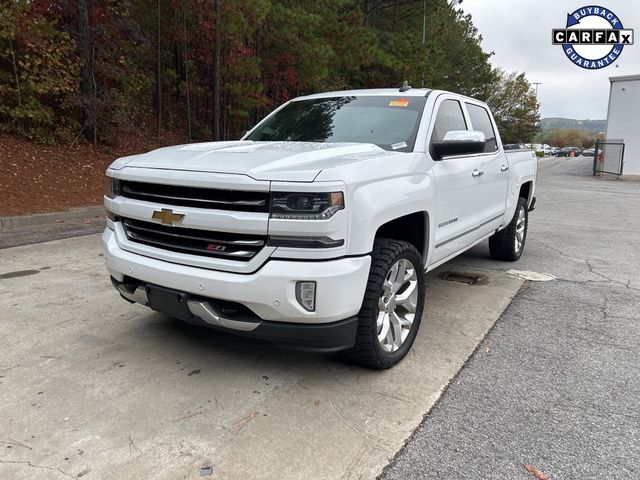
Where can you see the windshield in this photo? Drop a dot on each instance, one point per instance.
(389, 122)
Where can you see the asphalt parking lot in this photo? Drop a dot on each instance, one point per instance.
(93, 387)
(555, 384)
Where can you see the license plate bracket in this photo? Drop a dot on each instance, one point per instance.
(168, 301)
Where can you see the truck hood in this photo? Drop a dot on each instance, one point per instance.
(275, 161)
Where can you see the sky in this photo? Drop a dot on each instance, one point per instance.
(519, 33)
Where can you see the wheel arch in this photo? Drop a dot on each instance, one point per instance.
(412, 228)
(526, 191)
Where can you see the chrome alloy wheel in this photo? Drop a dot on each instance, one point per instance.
(397, 305)
(521, 223)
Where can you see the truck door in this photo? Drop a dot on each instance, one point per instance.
(458, 185)
(494, 165)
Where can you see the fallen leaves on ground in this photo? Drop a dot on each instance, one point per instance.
(243, 422)
(535, 472)
(39, 178)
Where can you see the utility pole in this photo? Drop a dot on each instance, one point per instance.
(186, 72)
(537, 84)
(87, 74)
(216, 77)
(452, 3)
(424, 31)
(424, 22)
(159, 69)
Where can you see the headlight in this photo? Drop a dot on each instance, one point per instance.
(306, 206)
(112, 187)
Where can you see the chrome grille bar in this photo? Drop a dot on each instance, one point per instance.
(241, 247)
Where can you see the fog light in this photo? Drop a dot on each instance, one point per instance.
(306, 295)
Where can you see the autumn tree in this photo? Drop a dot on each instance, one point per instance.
(213, 68)
(114, 80)
(38, 73)
(515, 107)
(568, 137)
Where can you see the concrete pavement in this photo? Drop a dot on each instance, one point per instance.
(93, 387)
(555, 384)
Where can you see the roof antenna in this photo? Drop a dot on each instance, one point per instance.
(405, 86)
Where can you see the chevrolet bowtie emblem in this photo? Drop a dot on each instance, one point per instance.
(167, 217)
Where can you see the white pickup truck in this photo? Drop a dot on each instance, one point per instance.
(314, 231)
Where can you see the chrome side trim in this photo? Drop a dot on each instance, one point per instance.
(468, 231)
(208, 313)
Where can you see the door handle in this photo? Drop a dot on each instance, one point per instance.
(477, 173)
(504, 168)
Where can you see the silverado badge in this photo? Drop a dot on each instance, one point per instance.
(167, 217)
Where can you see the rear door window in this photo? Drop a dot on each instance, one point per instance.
(481, 121)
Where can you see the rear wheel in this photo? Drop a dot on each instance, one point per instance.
(508, 244)
(392, 307)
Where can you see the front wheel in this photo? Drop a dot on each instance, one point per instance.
(508, 244)
(392, 307)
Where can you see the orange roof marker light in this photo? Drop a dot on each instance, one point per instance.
(400, 102)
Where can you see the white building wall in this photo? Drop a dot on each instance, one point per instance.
(623, 119)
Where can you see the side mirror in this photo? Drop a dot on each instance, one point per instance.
(459, 142)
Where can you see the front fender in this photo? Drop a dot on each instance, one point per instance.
(376, 203)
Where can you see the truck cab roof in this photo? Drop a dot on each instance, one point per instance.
(384, 92)
(369, 92)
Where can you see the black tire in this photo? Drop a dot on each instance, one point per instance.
(368, 351)
(502, 245)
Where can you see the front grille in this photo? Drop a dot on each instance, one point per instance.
(230, 246)
(236, 200)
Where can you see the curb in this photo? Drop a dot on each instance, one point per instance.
(45, 218)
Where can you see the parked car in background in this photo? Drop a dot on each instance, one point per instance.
(555, 151)
(589, 152)
(566, 152)
(542, 149)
